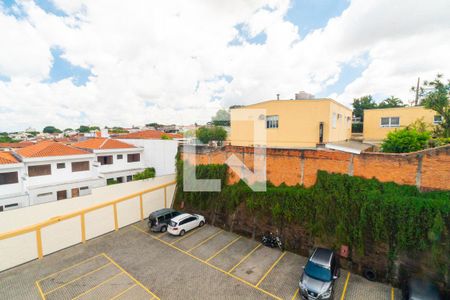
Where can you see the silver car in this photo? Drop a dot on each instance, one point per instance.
(319, 275)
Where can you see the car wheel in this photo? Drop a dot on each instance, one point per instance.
(164, 229)
(182, 232)
(201, 224)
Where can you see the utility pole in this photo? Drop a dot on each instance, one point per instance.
(417, 92)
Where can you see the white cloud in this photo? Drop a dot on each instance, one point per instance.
(164, 61)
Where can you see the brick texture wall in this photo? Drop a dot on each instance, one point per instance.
(427, 169)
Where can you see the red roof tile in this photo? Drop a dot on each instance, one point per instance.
(7, 158)
(16, 145)
(150, 134)
(49, 148)
(102, 143)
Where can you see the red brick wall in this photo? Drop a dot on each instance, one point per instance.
(428, 169)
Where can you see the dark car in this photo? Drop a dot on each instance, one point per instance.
(158, 220)
(319, 275)
(421, 289)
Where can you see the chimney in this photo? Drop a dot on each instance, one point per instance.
(278, 96)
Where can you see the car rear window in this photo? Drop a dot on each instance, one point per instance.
(173, 224)
(317, 271)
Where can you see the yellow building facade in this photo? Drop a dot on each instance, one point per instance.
(292, 123)
(379, 122)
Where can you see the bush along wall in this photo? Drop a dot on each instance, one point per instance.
(381, 223)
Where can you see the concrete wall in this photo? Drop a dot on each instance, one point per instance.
(428, 169)
(66, 233)
(159, 154)
(373, 132)
(298, 124)
(119, 165)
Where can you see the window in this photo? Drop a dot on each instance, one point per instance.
(272, 122)
(45, 194)
(60, 165)
(105, 160)
(84, 188)
(61, 195)
(9, 178)
(390, 122)
(11, 205)
(437, 119)
(119, 156)
(334, 120)
(119, 179)
(129, 178)
(80, 166)
(39, 170)
(134, 157)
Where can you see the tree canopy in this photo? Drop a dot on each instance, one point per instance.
(208, 134)
(391, 102)
(360, 104)
(84, 128)
(222, 118)
(51, 129)
(436, 97)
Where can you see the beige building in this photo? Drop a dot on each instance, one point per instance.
(379, 122)
(292, 123)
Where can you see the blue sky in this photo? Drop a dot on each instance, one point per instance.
(308, 15)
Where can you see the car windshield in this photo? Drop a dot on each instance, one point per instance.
(317, 272)
(173, 224)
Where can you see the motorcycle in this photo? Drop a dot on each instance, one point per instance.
(272, 241)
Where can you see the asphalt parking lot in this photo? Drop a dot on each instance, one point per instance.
(206, 263)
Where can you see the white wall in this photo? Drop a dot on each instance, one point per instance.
(14, 188)
(159, 154)
(119, 165)
(59, 175)
(21, 249)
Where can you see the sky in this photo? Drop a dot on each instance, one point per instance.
(123, 63)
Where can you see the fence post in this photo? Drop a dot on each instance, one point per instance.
(83, 229)
(116, 221)
(39, 243)
(165, 197)
(141, 204)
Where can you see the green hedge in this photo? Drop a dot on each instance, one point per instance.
(350, 210)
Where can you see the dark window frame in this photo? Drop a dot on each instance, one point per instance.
(61, 165)
(13, 178)
(105, 160)
(45, 170)
(133, 157)
(80, 166)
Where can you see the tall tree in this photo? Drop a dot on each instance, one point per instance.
(436, 97)
(391, 102)
(360, 104)
(222, 118)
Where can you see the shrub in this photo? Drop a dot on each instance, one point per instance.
(357, 127)
(405, 140)
(147, 173)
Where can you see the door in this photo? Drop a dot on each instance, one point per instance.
(321, 132)
(75, 192)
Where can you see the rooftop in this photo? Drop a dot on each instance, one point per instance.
(150, 134)
(16, 145)
(102, 144)
(49, 148)
(297, 101)
(7, 158)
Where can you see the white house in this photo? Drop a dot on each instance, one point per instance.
(115, 160)
(54, 171)
(12, 193)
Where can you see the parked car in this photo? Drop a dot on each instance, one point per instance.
(319, 275)
(185, 222)
(421, 289)
(159, 220)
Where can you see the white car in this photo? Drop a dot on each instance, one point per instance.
(181, 224)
